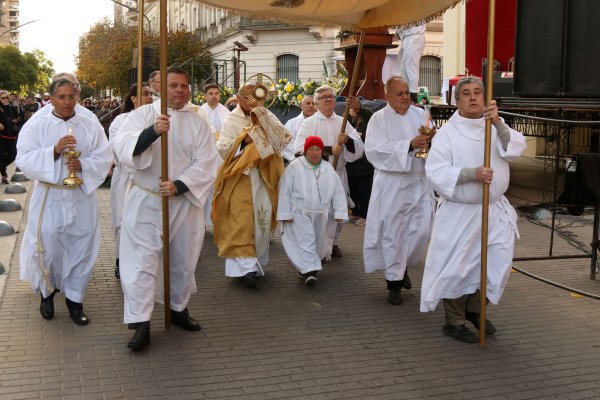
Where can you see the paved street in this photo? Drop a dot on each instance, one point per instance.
(282, 340)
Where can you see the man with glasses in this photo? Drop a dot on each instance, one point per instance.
(154, 82)
(62, 237)
(79, 109)
(347, 145)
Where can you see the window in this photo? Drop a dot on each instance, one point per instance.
(430, 74)
(287, 67)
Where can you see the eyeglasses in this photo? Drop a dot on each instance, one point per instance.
(328, 97)
(3, 97)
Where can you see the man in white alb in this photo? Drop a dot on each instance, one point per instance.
(455, 168)
(62, 237)
(216, 111)
(192, 170)
(401, 206)
(308, 109)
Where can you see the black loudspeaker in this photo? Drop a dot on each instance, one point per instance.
(556, 48)
(503, 83)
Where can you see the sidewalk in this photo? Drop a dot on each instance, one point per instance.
(338, 340)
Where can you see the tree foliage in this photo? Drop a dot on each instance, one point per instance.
(106, 52)
(24, 72)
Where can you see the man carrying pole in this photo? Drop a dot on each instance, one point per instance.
(454, 167)
(191, 175)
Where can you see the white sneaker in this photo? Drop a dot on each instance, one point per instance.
(310, 281)
(361, 222)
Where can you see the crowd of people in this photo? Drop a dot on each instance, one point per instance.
(251, 177)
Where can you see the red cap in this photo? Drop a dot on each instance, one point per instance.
(313, 141)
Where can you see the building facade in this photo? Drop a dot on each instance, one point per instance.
(9, 22)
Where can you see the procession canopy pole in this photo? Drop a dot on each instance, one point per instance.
(485, 205)
(140, 48)
(352, 91)
(164, 151)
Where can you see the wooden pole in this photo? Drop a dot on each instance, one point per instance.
(164, 148)
(485, 205)
(140, 48)
(352, 91)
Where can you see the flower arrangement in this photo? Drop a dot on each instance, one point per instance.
(290, 94)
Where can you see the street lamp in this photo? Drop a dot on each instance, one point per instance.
(136, 10)
(17, 27)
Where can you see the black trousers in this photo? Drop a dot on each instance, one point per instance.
(8, 153)
(360, 192)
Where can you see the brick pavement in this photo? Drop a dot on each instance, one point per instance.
(339, 340)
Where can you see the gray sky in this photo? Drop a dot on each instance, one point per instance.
(61, 23)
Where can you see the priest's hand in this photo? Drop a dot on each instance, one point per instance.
(484, 175)
(73, 165)
(167, 188)
(491, 112)
(343, 138)
(161, 125)
(336, 150)
(65, 142)
(420, 141)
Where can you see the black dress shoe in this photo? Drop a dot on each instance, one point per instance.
(336, 252)
(394, 296)
(47, 306)
(183, 320)
(117, 271)
(141, 337)
(76, 312)
(79, 317)
(460, 333)
(406, 283)
(473, 318)
(250, 279)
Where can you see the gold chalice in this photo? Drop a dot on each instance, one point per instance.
(72, 154)
(427, 130)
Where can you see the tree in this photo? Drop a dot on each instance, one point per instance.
(45, 71)
(105, 53)
(16, 69)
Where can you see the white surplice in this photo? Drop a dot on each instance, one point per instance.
(119, 183)
(192, 160)
(452, 267)
(306, 196)
(402, 201)
(62, 236)
(216, 115)
(328, 129)
(79, 109)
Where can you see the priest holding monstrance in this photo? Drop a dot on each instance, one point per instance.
(245, 199)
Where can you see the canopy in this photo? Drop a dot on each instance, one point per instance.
(352, 14)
